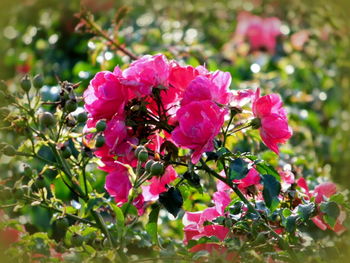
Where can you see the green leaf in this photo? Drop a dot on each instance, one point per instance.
(338, 198)
(291, 223)
(238, 169)
(152, 225)
(172, 200)
(271, 191)
(265, 168)
(223, 152)
(331, 212)
(305, 211)
(119, 216)
(286, 212)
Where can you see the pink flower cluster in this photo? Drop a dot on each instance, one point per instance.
(155, 100)
(260, 32)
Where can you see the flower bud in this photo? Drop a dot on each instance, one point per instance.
(142, 156)
(148, 165)
(157, 168)
(9, 150)
(47, 119)
(82, 117)
(101, 126)
(139, 149)
(70, 105)
(62, 224)
(77, 240)
(38, 81)
(100, 141)
(256, 123)
(26, 83)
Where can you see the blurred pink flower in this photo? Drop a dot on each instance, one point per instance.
(260, 32)
(192, 233)
(199, 122)
(274, 127)
(299, 39)
(146, 73)
(321, 193)
(323, 190)
(106, 96)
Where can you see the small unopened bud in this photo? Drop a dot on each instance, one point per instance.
(157, 168)
(101, 125)
(100, 141)
(62, 224)
(38, 81)
(142, 156)
(9, 150)
(139, 149)
(26, 84)
(47, 119)
(256, 123)
(70, 105)
(149, 165)
(77, 240)
(82, 117)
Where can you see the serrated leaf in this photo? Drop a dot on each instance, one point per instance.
(305, 211)
(271, 191)
(238, 169)
(172, 200)
(264, 168)
(152, 225)
(331, 212)
(291, 223)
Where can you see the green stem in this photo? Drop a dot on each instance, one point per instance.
(227, 127)
(102, 225)
(239, 129)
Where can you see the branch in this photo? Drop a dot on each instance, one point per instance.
(98, 31)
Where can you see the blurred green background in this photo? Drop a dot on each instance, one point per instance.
(39, 36)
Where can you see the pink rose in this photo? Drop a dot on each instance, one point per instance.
(118, 184)
(260, 32)
(274, 127)
(158, 184)
(214, 87)
(146, 73)
(106, 96)
(199, 122)
(118, 140)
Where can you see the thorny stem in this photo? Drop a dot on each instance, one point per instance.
(250, 207)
